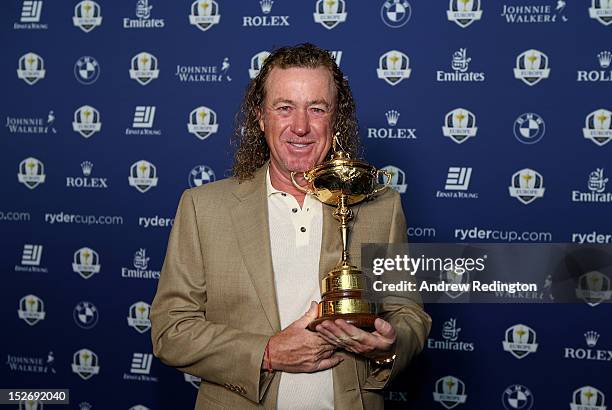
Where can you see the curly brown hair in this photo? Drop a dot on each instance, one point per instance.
(251, 149)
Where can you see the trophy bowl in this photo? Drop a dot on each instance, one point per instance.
(343, 176)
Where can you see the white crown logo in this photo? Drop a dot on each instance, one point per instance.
(86, 166)
(591, 338)
(266, 6)
(605, 58)
(392, 117)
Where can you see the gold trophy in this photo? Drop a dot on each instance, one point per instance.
(342, 182)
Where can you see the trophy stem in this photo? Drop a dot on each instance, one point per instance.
(343, 214)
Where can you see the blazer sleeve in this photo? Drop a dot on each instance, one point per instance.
(405, 313)
(182, 336)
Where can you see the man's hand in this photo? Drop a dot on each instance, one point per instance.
(298, 350)
(377, 345)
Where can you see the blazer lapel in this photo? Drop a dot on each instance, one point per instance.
(250, 220)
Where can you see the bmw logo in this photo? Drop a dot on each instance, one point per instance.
(86, 70)
(529, 128)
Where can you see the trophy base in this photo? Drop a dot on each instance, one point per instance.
(364, 321)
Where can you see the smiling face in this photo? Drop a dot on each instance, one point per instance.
(297, 117)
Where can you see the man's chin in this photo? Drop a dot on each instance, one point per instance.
(300, 166)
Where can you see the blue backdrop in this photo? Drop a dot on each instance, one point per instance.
(494, 118)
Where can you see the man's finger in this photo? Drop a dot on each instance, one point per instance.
(356, 335)
(328, 336)
(308, 317)
(330, 362)
(384, 329)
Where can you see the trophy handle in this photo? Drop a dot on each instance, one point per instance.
(387, 182)
(298, 186)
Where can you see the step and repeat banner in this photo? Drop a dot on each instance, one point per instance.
(493, 116)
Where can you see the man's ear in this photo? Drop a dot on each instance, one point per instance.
(260, 120)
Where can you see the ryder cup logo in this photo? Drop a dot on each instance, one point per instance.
(204, 14)
(455, 278)
(87, 15)
(85, 315)
(257, 62)
(450, 392)
(529, 128)
(31, 172)
(594, 288)
(588, 398)
(202, 122)
(31, 405)
(531, 67)
(520, 341)
(464, 12)
(143, 176)
(395, 13)
(31, 68)
(31, 309)
(598, 127)
(86, 262)
(393, 67)
(398, 178)
(86, 121)
(85, 363)
(517, 397)
(601, 10)
(459, 125)
(86, 70)
(201, 175)
(138, 317)
(527, 185)
(144, 68)
(329, 13)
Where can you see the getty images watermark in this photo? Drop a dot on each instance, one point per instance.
(490, 273)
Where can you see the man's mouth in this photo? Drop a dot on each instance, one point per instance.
(300, 144)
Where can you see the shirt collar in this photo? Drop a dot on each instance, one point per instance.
(269, 187)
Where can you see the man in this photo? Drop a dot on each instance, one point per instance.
(246, 256)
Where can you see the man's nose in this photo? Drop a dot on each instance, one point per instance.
(300, 125)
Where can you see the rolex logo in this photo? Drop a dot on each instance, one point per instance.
(266, 6)
(86, 166)
(591, 338)
(392, 117)
(86, 181)
(266, 20)
(605, 58)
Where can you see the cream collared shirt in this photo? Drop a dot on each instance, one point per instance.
(295, 239)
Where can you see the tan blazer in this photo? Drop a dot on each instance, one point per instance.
(215, 306)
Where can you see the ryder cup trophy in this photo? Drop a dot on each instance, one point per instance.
(342, 182)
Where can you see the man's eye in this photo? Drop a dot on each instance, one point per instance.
(284, 108)
(318, 110)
